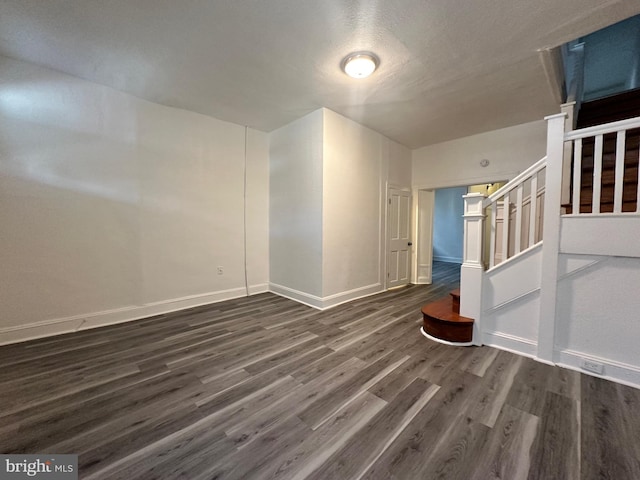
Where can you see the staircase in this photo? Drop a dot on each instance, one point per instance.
(510, 287)
(546, 255)
(606, 110)
(442, 321)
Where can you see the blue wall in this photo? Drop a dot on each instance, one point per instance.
(611, 59)
(448, 226)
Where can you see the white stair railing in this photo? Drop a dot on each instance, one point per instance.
(515, 214)
(530, 203)
(597, 136)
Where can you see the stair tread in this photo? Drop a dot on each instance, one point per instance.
(441, 310)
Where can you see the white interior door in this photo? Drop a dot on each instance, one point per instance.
(426, 205)
(398, 238)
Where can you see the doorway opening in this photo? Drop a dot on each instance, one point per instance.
(440, 225)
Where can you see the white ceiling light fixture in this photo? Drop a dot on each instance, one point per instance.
(360, 64)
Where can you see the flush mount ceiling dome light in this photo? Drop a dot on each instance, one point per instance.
(360, 65)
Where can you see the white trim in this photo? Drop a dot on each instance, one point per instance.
(615, 371)
(513, 258)
(556, 115)
(344, 297)
(296, 295)
(546, 362)
(551, 232)
(446, 342)
(551, 60)
(423, 240)
(492, 309)
(600, 215)
(324, 303)
(582, 268)
(59, 326)
(529, 172)
(465, 182)
(259, 288)
(603, 129)
(511, 343)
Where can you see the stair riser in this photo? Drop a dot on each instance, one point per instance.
(460, 333)
(442, 320)
(455, 300)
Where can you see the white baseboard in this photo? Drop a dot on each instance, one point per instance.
(350, 295)
(511, 343)
(296, 295)
(323, 303)
(259, 288)
(615, 371)
(58, 326)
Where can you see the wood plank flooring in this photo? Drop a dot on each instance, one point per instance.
(265, 388)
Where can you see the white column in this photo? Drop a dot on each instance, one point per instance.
(551, 240)
(472, 270)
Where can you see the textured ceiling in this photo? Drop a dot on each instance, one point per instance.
(448, 69)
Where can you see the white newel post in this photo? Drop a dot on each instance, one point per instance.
(472, 270)
(551, 240)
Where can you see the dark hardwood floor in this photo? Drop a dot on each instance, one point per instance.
(263, 387)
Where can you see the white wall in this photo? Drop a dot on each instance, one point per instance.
(295, 215)
(358, 164)
(353, 212)
(328, 190)
(397, 159)
(511, 303)
(114, 208)
(457, 162)
(257, 204)
(597, 314)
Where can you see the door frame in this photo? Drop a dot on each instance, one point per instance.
(423, 222)
(423, 235)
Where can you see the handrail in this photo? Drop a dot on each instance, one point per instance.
(603, 129)
(532, 170)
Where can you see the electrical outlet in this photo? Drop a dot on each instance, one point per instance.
(592, 366)
(220, 270)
